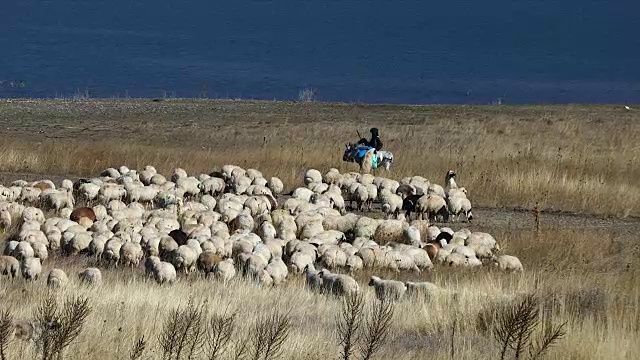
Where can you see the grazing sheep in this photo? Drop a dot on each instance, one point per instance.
(162, 271)
(82, 212)
(421, 290)
(23, 250)
(185, 258)
(391, 290)
(312, 176)
(391, 205)
(263, 278)
(411, 236)
(57, 279)
(90, 276)
(111, 253)
(225, 270)
(275, 185)
(9, 266)
(460, 206)
(299, 261)
(312, 278)
(389, 230)
(30, 268)
(207, 261)
(432, 205)
(338, 284)
(130, 254)
(277, 270)
(354, 263)
(508, 263)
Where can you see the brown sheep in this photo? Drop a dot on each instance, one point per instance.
(432, 249)
(42, 185)
(81, 212)
(9, 266)
(207, 261)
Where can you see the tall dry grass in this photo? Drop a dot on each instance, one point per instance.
(573, 158)
(596, 294)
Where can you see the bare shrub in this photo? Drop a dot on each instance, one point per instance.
(348, 323)
(59, 327)
(514, 325)
(6, 330)
(183, 333)
(138, 349)
(219, 334)
(376, 328)
(269, 334)
(366, 332)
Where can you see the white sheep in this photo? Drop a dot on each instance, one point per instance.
(225, 270)
(57, 278)
(411, 236)
(299, 261)
(275, 185)
(421, 290)
(432, 205)
(23, 250)
(91, 276)
(111, 253)
(391, 290)
(9, 266)
(354, 263)
(389, 230)
(130, 254)
(162, 271)
(391, 204)
(277, 270)
(185, 258)
(30, 268)
(33, 214)
(508, 263)
(460, 206)
(338, 284)
(312, 278)
(312, 176)
(89, 191)
(213, 186)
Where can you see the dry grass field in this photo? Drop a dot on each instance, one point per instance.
(578, 159)
(572, 158)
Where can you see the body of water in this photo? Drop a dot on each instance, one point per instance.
(422, 51)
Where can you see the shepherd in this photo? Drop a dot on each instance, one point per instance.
(375, 141)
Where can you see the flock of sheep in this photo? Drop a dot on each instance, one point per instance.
(229, 223)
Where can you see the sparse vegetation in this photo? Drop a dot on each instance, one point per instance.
(6, 330)
(59, 327)
(362, 329)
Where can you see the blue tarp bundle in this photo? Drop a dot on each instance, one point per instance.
(361, 151)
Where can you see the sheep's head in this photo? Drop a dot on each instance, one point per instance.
(323, 273)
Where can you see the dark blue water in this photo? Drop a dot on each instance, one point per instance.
(422, 51)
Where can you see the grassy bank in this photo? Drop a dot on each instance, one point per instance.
(573, 157)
